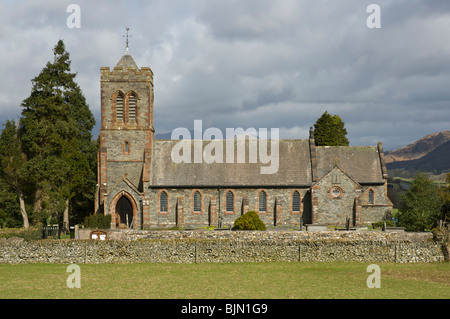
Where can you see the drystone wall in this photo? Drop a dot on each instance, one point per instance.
(228, 246)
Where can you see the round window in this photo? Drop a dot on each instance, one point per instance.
(336, 192)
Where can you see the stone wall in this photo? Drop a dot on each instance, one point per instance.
(214, 212)
(227, 246)
(337, 197)
(331, 208)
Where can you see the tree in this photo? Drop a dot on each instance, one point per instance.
(9, 207)
(329, 130)
(55, 129)
(12, 161)
(444, 194)
(421, 207)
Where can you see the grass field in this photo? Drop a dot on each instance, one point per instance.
(226, 281)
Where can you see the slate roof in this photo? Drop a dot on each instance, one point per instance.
(361, 163)
(294, 168)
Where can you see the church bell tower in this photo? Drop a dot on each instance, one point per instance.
(126, 135)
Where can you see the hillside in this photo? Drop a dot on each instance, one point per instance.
(429, 154)
(418, 149)
(436, 160)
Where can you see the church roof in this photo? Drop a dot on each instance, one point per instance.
(361, 163)
(126, 61)
(294, 168)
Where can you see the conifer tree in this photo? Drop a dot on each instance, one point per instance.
(55, 129)
(329, 130)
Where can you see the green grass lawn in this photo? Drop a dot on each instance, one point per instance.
(226, 281)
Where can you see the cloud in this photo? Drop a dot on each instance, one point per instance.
(253, 63)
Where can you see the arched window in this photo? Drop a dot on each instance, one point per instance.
(296, 202)
(230, 202)
(126, 148)
(371, 197)
(197, 202)
(119, 107)
(132, 108)
(262, 201)
(163, 202)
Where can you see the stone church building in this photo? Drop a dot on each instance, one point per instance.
(142, 188)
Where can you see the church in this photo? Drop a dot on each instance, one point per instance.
(141, 187)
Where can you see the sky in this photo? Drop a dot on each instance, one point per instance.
(249, 63)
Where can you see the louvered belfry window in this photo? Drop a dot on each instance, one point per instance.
(262, 201)
(230, 201)
(296, 202)
(163, 202)
(119, 107)
(132, 108)
(197, 202)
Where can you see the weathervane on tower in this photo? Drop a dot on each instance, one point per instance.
(127, 36)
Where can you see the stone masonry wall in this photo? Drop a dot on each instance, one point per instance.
(227, 246)
(214, 207)
(337, 197)
(335, 209)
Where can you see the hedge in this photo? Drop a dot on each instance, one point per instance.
(97, 221)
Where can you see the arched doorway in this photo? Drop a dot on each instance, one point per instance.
(124, 211)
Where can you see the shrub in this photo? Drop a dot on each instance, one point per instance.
(32, 233)
(249, 221)
(97, 221)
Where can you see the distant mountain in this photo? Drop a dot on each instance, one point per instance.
(418, 149)
(437, 160)
(429, 154)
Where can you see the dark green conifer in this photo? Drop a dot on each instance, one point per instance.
(55, 129)
(329, 130)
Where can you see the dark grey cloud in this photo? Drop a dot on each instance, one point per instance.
(252, 63)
